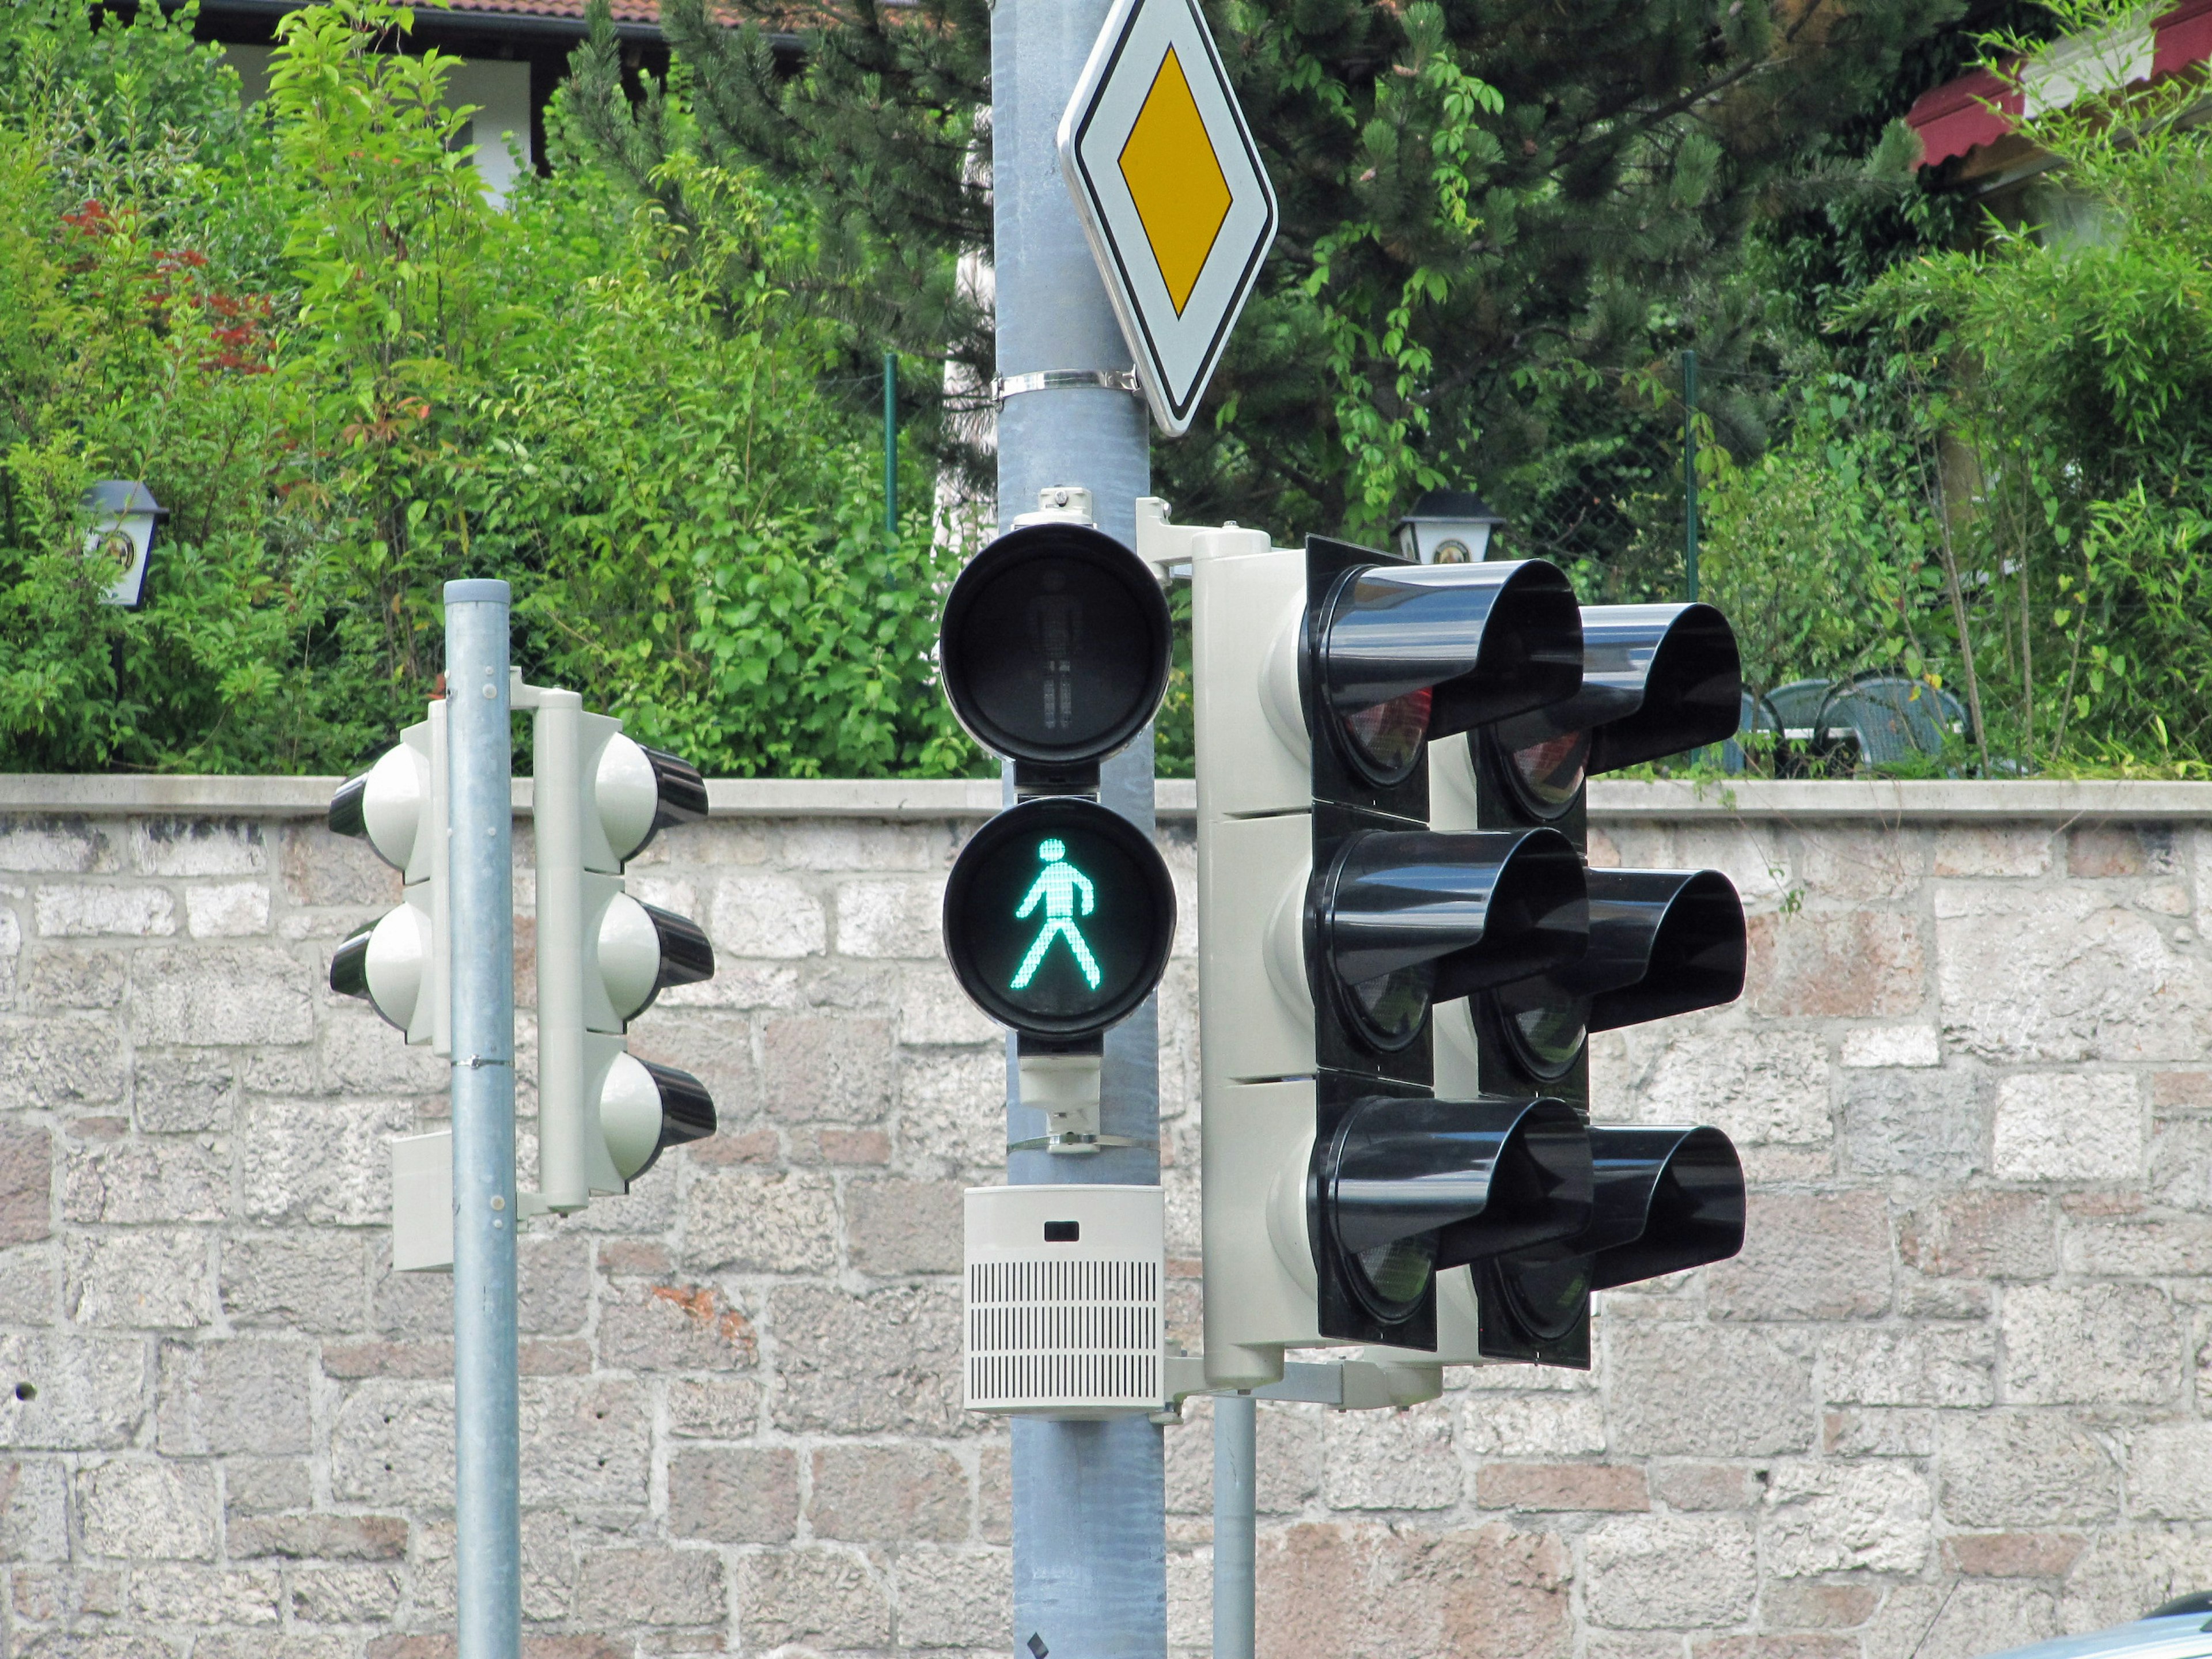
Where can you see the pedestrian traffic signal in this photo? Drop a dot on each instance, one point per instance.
(1054, 650)
(1657, 680)
(599, 797)
(1059, 913)
(1059, 916)
(398, 964)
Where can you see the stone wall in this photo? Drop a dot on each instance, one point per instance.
(1945, 1402)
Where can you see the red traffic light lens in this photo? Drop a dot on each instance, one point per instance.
(1386, 737)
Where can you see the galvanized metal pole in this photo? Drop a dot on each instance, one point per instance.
(1089, 1499)
(1234, 1419)
(487, 1450)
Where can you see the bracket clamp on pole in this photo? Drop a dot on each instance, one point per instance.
(1066, 380)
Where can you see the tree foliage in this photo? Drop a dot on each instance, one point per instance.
(350, 378)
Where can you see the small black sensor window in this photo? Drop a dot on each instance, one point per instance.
(1062, 1232)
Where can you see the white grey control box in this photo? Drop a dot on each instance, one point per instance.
(1060, 1301)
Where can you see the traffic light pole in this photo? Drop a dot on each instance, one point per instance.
(1090, 1500)
(486, 1450)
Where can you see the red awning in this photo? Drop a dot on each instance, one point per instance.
(1977, 108)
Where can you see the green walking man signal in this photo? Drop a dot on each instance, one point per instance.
(1057, 887)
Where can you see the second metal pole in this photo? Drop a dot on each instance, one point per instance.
(486, 1418)
(1235, 1553)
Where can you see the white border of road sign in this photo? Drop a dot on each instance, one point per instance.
(1176, 355)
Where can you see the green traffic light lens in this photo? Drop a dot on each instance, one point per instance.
(1058, 917)
(1545, 1294)
(1390, 1009)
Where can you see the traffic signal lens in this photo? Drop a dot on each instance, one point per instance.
(1549, 774)
(1393, 1276)
(1386, 737)
(1547, 1037)
(1545, 1292)
(1391, 1007)
(1055, 644)
(1059, 916)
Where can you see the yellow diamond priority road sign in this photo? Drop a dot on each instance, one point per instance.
(1172, 195)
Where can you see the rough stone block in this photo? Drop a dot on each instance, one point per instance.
(714, 1407)
(1764, 1088)
(822, 1598)
(1880, 1047)
(1981, 1235)
(1532, 1425)
(1832, 1517)
(586, 1440)
(1862, 963)
(679, 1328)
(1391, 1460)
(1795, 1604)
(1807, 1256)
(310, 1279)
(147, 1510)
(183, 1093)
(156, 1278)
(904, 1226)
(134, 1180)
(2021, 1468)
(391, 1444)
(1706, 1391)
(319, 1537)
(954, 1598)
(357, 1594)
(1704, 1486)
(207, 1598)
(771, 916)
(2128, 1571)
(823, 1067)
(59, 976)
(235, 1396)
(210, 996)
(2013, 1554)
(1878, 1431)
(65, 912)
(308, 1161)
(2096, 851)
(2170, 1471)
(33, 1510)
(85, 1393)
(890, 918)
(2097, 1346)
(27, 1164)
(952, 1109)
(2014, 850)
(1946, 1366)
(359, 1054)
(853, 844)
(1560, 1486)
(1362, 1590)
(737, 1495)
(1931, 1125)
(2084, 979)
(553, 1284)
(1960, 1620)
(888, 1494)
(755, 1222)
(1666, 1572)
(882, 1363)
(657, 1587)
(264, 1486)
(197, 846)
(320, 868)
(52, 847)
(234, 909)
(935, 1012)
(2070, 1127)
(46, 1063)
